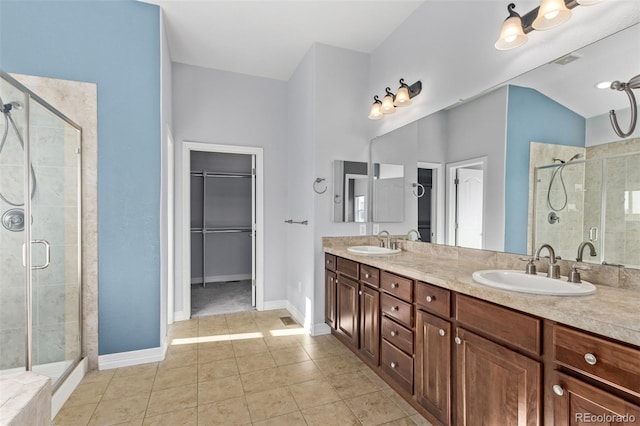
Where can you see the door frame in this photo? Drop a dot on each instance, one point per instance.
(187, 147)
(452, 168)
(438, 200)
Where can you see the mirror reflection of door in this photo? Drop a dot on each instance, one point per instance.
(469, 207)
(426, 205)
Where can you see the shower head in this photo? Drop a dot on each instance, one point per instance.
(558, 160)
(575, 157)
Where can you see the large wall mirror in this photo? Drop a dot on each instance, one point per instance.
(536, 156)
(350, 191)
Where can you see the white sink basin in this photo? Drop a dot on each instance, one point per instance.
(371, 250)
(537, 284)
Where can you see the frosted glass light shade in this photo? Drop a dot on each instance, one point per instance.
(387, 105)
(511, 35)
(551, 14)
(376, 111)
(402, 97)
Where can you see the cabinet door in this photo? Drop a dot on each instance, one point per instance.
(577, 403)
(433, 365)
(347, 315)
(495, 385)
(330, 298)
(370, 324)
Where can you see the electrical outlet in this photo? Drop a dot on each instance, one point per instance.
(363, 229)
(376, 229)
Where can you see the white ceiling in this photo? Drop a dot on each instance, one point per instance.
(269, 38)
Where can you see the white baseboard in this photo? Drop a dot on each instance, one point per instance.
(126, 359)
(320, 329)
(297, 314)
(274, 304)
(67, 387)
(180, 316)
(221, 278)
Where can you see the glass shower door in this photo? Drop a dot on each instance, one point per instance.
(54, 148)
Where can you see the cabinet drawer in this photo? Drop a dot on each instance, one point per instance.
(400, 287)
(433, 299)
(397, 335)
(610, 362)
(397, 309)
(330, 262)
(512, 328)
(370, 275)
(398, 365)
(347, 267)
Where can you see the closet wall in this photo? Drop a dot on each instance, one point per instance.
(221, 206)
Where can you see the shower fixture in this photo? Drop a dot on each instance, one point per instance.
(8, 119)
(627, 87)
(553, 218)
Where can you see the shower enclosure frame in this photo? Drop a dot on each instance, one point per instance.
(28, 266)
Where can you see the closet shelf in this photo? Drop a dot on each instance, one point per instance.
(220, 174)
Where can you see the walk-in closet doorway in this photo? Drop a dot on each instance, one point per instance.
(222, 225)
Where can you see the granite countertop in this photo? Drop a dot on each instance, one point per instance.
(611, 312)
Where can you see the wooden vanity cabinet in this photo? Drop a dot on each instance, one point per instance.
(330, 297)
(348, 308)
(370, 324)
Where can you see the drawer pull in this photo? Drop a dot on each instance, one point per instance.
(458, 340)
(558, 390)
(430, 298)
(394, 285)
(441, 332)
(590, 359)
(393, 333)
(366, 275)
(328, 262)
(360, 292)
(394, 308)
(393, 365)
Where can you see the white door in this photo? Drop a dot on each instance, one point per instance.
(253, 231)
(469, 193)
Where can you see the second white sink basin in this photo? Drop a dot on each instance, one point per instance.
(536, 284)
(371, 250)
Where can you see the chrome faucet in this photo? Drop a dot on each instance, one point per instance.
(554, 268)
(581, 248)
(412, 231)
(388, 238)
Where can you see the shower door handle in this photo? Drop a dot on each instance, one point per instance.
(47, 254)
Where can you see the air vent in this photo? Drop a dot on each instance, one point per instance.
(566, 59)
(288, 320)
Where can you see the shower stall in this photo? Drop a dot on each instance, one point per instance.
(40, 244)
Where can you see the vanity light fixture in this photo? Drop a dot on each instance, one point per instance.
(550, 14)
(390, 101)
(387, 102)
(376, 109)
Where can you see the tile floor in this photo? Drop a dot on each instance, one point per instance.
(240, 369)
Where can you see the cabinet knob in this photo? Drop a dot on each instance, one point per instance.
(430, 298)
(366, 275)
(393, 365)
(590, 358)
(458, 340)
(558, 390)
(328, 262)
(394, 308)
(393, 333)
(360, 292)
(394, 285)
(441, 332)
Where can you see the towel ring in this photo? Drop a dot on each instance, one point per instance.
(418, 194)
(316, 182)
(634, 83)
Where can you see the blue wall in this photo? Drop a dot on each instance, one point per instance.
(115, 44)
(531, 117)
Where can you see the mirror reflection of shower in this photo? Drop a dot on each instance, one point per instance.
(13, 219)
(553, 218)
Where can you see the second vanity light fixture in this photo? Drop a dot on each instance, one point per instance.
(550, 14)
(390, 101)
